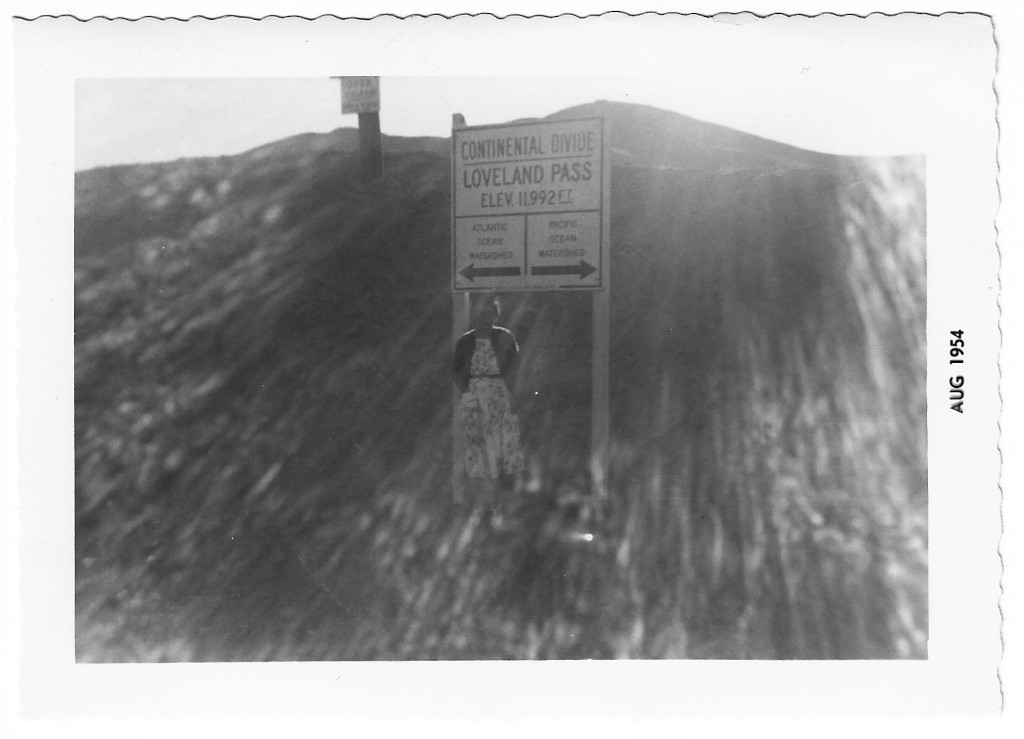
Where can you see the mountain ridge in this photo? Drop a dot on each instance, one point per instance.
(690, 133)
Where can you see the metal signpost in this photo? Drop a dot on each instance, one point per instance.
(530, 211)
(361, 95)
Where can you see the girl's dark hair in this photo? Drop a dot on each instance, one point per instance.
(483, 303)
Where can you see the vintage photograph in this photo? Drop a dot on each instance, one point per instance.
(471, 368)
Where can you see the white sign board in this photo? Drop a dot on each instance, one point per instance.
(530, 206)
(360, 95)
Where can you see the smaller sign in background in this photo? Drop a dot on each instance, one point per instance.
(360, 95)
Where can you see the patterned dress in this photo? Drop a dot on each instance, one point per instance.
(490, 429)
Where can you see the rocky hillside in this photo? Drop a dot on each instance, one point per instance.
(263, 412)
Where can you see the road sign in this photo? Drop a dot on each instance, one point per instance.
(360, 95)
(529, 206)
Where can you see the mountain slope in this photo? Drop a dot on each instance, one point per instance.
(263, 412)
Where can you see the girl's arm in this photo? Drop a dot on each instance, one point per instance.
(512, 365)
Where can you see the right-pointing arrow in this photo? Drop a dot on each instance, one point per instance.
(582, 269)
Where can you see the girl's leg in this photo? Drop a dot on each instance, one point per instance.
(481, 491)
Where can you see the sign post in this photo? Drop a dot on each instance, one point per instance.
(460, 323)
(531, 211)
(361, 95)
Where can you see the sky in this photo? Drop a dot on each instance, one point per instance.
(841, 86)
(120, 121)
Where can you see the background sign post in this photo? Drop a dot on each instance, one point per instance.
(361, 95)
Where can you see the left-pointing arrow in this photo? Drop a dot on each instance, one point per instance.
(472, 271)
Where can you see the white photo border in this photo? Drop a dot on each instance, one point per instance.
(955, 113)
